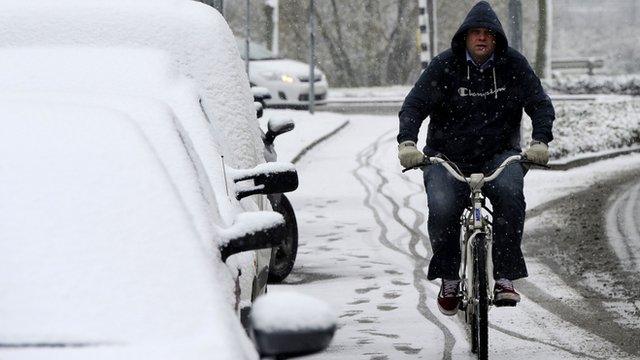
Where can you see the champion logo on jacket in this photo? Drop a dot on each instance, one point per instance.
(463, 91)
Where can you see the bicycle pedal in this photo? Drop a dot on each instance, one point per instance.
(502, 303)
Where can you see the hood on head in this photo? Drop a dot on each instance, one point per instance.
(480, 16)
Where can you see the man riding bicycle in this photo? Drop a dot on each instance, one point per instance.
(474, 94)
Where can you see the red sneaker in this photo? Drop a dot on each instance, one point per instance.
(449, 297)
(504, 294)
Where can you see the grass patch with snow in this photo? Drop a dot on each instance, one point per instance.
(582, 128)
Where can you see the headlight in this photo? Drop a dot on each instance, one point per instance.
(275, 76)
(287, 79)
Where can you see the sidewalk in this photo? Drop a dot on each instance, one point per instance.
(310, 130)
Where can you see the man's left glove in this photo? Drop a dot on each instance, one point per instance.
(538, 152)
(409, 155)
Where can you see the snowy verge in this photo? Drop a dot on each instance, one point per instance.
(592, 127)
(398, 91)
(309, 131)
(598, 84)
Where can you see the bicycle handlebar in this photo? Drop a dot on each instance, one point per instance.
(458, 175)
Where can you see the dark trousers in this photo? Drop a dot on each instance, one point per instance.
(447, 198)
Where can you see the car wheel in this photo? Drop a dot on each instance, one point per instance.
(284, 256)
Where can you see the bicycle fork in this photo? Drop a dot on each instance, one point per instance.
(474, 224)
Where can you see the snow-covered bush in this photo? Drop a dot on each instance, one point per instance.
(593, 127)
(598, 84)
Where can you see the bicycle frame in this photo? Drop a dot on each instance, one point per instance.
(475, 220)
(476, 224)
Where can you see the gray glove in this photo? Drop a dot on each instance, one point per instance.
(538, 152)
(409, 155)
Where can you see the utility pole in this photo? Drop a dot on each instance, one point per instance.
(515, 24)
(425, 39)
(247, 36)
(545, 28)
(312, 58)
(275, 20)
(432, 8)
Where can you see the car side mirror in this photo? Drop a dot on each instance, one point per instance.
(260, 94)
(286, 325)
(277, 127)
(268, 178)
(259, 109)
(252, 231)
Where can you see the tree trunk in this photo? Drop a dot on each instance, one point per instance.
(543, 53)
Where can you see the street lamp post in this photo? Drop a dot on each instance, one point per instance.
(515, 24)
(275, 19)
(247, 37)
(312, 56)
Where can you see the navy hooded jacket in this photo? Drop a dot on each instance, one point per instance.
(475, 114)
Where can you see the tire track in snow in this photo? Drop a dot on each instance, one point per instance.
(533, 340)
(622, 229)
(368, 203)
(363, 159)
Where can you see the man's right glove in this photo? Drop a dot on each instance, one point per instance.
(409, 155)
(538, 152)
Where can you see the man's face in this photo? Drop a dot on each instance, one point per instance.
(480, 42)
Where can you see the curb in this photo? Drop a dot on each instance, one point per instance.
(567, 165)
(318, 141)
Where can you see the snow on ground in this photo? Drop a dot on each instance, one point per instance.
(309, 129)
(597, 84)
(589, 127)
(390, 92)
(361, 226)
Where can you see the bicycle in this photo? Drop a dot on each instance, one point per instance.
(476, 239)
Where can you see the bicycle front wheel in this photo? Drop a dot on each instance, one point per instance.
(481, 303)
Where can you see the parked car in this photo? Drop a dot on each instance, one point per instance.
(131, 138)
(287, 80)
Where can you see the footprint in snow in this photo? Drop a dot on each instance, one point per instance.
(400, 282)
(405, 348)
(391, 295)
(367, 289)
(350, 313)
(386, 307)
(359, 301)
(393, 272)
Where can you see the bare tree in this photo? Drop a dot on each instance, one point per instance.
(360, 43)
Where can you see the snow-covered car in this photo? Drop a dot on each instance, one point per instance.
(287, 80)
(195, 70)
(133, 184)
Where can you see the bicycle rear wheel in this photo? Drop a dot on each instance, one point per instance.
(481, 305)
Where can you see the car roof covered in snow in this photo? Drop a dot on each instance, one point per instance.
(195, 35)
(98, 75)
